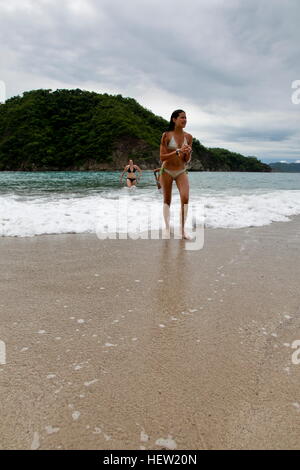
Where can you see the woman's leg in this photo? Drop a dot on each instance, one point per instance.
(166, 184)
(129, 183)
(182, 182)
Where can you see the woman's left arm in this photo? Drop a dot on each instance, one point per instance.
(187, 155)
(139, 170)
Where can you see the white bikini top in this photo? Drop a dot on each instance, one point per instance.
(172, 144)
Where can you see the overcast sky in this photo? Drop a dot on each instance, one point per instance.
(229, 64)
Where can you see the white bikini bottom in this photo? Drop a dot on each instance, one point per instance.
(173, 173)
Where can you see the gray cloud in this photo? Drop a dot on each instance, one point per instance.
(257, 134)
(230, 63)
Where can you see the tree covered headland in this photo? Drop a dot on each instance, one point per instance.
(82, 130)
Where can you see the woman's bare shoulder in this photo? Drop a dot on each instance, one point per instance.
(189, 137)
(165, 136)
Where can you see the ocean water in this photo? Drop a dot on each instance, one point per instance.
(36, 203)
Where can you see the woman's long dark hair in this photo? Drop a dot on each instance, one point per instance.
(175, 115)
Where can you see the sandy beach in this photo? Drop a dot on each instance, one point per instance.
(123, 344)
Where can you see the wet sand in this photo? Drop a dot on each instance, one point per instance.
(123, 344)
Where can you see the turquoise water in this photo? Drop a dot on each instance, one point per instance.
(88, 182)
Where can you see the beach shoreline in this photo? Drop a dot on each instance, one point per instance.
(142, 344)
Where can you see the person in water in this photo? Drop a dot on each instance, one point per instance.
(131, 179)
(156, 175)
(175, 153)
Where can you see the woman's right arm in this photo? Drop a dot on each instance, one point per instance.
(123, 172)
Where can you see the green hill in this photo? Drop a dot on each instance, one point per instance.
(82, 130)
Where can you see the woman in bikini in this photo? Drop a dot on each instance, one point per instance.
(131, 179)
(175, 153)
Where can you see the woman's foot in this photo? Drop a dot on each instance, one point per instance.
(166, 233)
(186, 236)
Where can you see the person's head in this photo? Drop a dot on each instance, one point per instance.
(178, 119)
(130, 162)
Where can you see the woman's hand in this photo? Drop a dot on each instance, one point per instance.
(186, 148)
(185, 152)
